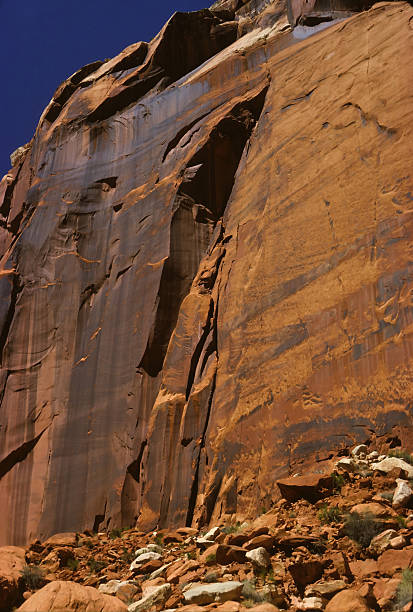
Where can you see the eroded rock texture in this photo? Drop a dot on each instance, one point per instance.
(206, 274)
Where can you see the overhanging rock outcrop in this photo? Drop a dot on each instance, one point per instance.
(206, 270)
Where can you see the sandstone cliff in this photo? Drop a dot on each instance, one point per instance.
(205, 275)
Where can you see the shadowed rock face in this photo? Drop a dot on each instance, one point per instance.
(205, 276)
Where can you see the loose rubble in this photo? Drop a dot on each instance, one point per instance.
(341, 544)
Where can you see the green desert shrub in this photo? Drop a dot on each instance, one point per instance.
(405, 590)
(329, 514)
(361, 528)
(402, 454)
(32, 576)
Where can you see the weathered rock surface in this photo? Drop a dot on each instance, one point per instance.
(12, 562)
(205, 273)
(60, 595)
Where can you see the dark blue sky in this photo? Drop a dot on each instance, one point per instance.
(42, 42)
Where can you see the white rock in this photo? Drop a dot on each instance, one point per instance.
(149, 556)
(259, 557)
(397, 542)
(204, 543)
(347, 464)
(381, 542)
(358, 450)
(389, 463)
(142, 551)
(216, 591)
(313, 603)
(154, 596)
(381, 457)
(111, 587)
(373, 455)
(155, 548)
(402, 495)
(212, 533)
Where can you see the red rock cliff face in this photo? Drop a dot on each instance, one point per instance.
(206, 274)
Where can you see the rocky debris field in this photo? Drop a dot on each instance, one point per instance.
(339, 543)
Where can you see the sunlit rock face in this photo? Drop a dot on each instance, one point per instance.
(206, 274)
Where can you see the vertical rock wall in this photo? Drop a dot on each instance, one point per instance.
(206, 270)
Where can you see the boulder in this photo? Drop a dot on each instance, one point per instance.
(59, 596)
(311, 487)
(153, 596)
(403, 494)
(389, 463)
(375, 509)
(259, 557)
(68, 538)
(347, 601)
(264, 540)
(12, 563)
(306, 572)
(385, 592)
(347, 464)
(216, 591)
(393, 560)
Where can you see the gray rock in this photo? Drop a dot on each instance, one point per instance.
(259, 557)
(402, 495)
(216, 591)
(347, 464)
(390, 463)
(156, 595)
(381, 542)
(326, 588)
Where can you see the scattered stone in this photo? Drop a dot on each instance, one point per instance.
(217, 591)
(70, 596)
(259, 557)
(403, 494)
(156, 595)
(372, 456)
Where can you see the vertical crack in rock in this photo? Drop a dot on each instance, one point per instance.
(200, 202)
(7, 319)
(130, 490)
